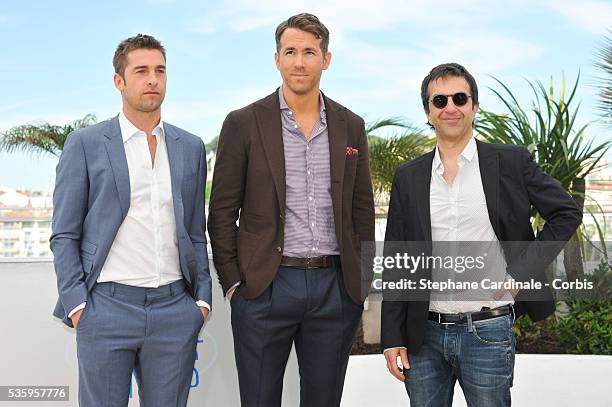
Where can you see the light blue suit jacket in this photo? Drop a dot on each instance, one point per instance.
(92, 197)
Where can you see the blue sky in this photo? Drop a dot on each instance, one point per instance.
(56, 57)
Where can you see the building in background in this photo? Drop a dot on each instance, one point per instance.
(598, 203)
(25, 223)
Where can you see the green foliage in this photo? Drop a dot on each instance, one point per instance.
(587, 328)
(547, 129)
(387, 154)
(211, 146)
(41, 138)
(538, 337)
(602, 281)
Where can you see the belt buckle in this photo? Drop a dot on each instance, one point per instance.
(443, 323)
(308, 262)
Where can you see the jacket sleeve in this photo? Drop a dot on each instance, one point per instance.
(70, 198)
(363, 201)
(561, 213)
(225, 202)
(197, 234)
(393, 311)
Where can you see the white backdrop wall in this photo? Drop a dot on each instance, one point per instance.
(38, 350)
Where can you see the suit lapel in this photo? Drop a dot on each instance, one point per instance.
(176, 159)
(489, 173)
(267, 115)
(118, 161)
(422, 182)
(337, 136)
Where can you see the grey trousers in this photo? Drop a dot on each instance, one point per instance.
(151, 331)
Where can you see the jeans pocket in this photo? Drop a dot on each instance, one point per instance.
(494, 331)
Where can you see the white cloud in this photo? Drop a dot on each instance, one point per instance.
(393, 72)
(590, 15)
(340, 16)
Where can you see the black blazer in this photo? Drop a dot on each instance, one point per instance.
(512, 184)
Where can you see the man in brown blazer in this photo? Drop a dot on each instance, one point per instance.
(293, 169)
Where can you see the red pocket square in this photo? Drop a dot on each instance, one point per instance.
(351, 151)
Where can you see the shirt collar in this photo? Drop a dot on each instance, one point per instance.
(468, 154)
(284, 106)
(128, 130)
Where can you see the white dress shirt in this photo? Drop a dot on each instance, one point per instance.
(145, 250)
(459, 213)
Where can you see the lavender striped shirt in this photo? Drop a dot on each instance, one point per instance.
(309, 216)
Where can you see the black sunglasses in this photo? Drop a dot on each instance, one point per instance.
(459, 99)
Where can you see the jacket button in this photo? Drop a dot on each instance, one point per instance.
(279, 249)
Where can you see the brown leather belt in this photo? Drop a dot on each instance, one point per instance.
(462, 318)
(311, 262)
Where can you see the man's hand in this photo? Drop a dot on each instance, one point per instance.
(499, 294)
(76, 317)
(391, 355)
(230, 293)
(205, 312)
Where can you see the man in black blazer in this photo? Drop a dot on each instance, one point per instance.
(468, 190)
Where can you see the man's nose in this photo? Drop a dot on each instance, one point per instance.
(450, 105)
(152, 79)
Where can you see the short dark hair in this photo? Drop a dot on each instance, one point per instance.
(443, 71)
(305, 22)
(136, 42)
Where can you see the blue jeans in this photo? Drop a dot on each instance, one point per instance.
(482, 361)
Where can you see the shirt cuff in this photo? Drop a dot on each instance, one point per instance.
(397, 347)
(78, 307)
(231, 290)
(203, 304)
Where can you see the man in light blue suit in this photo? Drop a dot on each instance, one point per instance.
(129, 242)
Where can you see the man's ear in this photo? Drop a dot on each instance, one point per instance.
(119, 82)
(327, 60)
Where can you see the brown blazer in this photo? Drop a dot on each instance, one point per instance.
(249, 183)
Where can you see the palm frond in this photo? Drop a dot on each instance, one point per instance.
(604, 65)
(547, 130)
(41, 138)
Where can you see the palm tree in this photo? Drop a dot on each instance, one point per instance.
(604, 63)
(549, 132)
(41, 138)
(386, 154)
